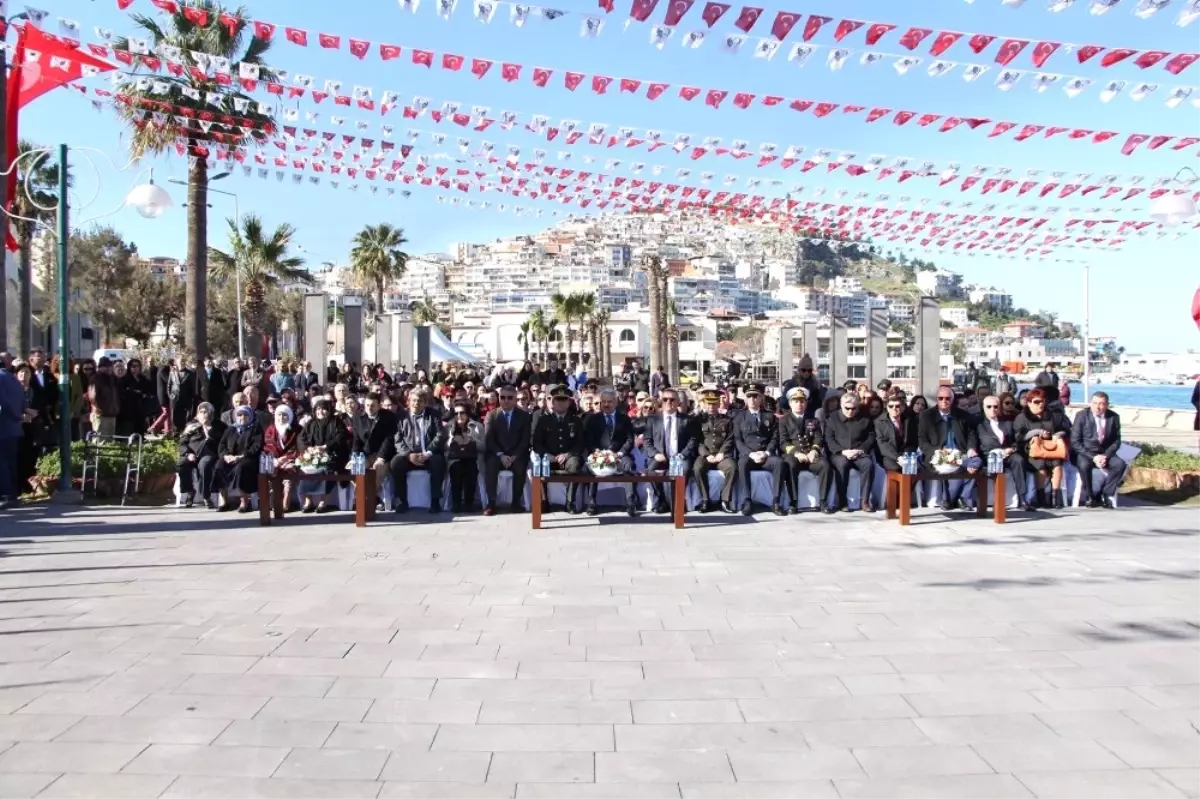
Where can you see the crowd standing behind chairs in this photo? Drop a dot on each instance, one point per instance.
(462, 421)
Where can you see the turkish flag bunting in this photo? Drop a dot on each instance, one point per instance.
(914, 36)
(1181, 62)
(607, 6)
(980, 41)
(600, 84)
(801, 105)
(297, 36)
(572, 80)
(928, 119)
(814, 25)
(1028, 131)
(1042, 51)
(713, 12)
(950, 124)
(359, 47)
(480, 67)
(1026, 186)
(1102, 136)
(165, 5)
(263, 30)
(877, 31)
(1134, 141)
(510, 72)
(743, 100)
(541, 76)
(944, 41)
(989, 184)
(1116, 56)
(389, 52)
(688, 92)
(1009, 50)
(676, 10)
(329, 41)
(845, 28)
(124, 4)
(968, 182)
(784, 22)
(747, 19)
(424, 58)
(1157, 141)
(1054, 130)
(974, 122)
(1150, 58)
(1079, 133)
(1186, 141)
(824, 109)
(642, 9)
(195, 15)
(655, 90)
(1087, 52)
(878, 113)
(630, 84)
(715, 97)
(452, 62)
(903, 117)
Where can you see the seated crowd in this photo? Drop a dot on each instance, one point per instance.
(459, 422)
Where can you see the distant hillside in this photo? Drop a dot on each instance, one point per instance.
(879, 272)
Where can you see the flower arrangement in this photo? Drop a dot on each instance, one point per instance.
(946, 461)
(313, 461)
(603, 463)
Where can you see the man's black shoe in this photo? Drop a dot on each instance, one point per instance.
(946, 506)
(1093, 503)
(208, 503)
(435, 506)
(747, 508)
(704, 507)
(778, 510)
(573, 509)
(869, 505)
(661, 507)
(632, 511)
(401, 506)
(1024, 506)
(592, 510)
(1107, 503)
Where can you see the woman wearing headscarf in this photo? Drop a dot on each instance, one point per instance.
(239, 450)
(327, 432)
(199, 445)
(135, 389)
(282, 442)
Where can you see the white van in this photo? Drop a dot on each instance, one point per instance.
(114, 355)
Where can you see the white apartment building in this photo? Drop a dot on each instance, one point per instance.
(1034, 352)
(990, 296)
(901, 308)
(164, 268)
(939, 283)
(423, 276)
(955, 316)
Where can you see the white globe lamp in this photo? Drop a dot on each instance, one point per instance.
(149, 200)
(1173, 209)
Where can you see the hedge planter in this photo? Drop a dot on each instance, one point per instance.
(1165, 479)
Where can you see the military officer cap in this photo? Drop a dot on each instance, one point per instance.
(710, 395)
(755, 388)
(797, 391)
(560, 392)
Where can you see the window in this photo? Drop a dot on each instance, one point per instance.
(688, 335)
(627, 337)
(556, 336)
(856, 372)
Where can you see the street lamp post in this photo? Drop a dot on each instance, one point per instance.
(237, 271)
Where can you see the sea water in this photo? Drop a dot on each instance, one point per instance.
(1124, 395)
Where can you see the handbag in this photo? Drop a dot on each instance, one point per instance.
(1048, 449)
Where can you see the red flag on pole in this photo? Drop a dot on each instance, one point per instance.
(54, 65)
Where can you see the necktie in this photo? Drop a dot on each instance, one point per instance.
(508, 419)
(671, 435)
(609, 417)
(1099, 427)
(951, 443)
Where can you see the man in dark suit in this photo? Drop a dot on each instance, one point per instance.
(995, 433)
(1095, 439)
(374, 435)
(306, 377)
(420, 445)
(559, 434)
(757, 435)
(668, 434)
(210, 383)
(609, 431)
(946, 427)
(44, 387)
(801, 446)
(507, 432)
(850, 439)
(715, 449)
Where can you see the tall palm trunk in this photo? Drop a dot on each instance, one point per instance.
(25, 289)
(655, 326)
(378, 297)
(195, 337)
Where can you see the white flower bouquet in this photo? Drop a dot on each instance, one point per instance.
(946, 461)
(313, 461)
(603, 463)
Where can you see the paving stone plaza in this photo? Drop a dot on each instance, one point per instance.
(152, 652)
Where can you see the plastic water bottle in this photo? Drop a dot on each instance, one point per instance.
(995, 462)
(545, 464)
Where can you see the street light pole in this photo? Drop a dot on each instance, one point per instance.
(1087, 335)
(64, 353)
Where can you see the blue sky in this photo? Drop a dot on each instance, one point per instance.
(1142, 294)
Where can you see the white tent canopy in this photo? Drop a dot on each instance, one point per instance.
(443, 349)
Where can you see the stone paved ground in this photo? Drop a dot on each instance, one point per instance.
(182, 654)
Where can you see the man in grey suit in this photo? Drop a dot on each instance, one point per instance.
(1095, 439)
(507, 436)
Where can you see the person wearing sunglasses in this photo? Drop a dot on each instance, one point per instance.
(507, 437)
(946, 426)
(559, 433)
(715, 450)
(850, 438)
(996, 433)
(606, 430)
(895, 434)
(805, 378)
(668, 433)
(757, 436)
(1039, 421)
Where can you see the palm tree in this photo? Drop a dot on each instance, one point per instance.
(656, 272)
(585, 306)
(539, 331)
(376, 258)
(222, 36)
(564, 306)
(526, 329)
(261, 262)
(551, 329)
(38, 181)
(604, 341)
(672, 342)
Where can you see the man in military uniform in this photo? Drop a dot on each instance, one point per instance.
(757, 437)
(559, 434)
(800, 443)
(716, 450)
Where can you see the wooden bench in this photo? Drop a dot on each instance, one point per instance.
(899, 492)
(270, 493)
(679, 494)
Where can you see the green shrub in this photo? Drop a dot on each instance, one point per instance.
(158, 457)
(1156, 456)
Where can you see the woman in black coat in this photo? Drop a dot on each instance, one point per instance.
(238, 465)
(327, 431)
(1036, 421)
(199, 444)
(138, 398)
